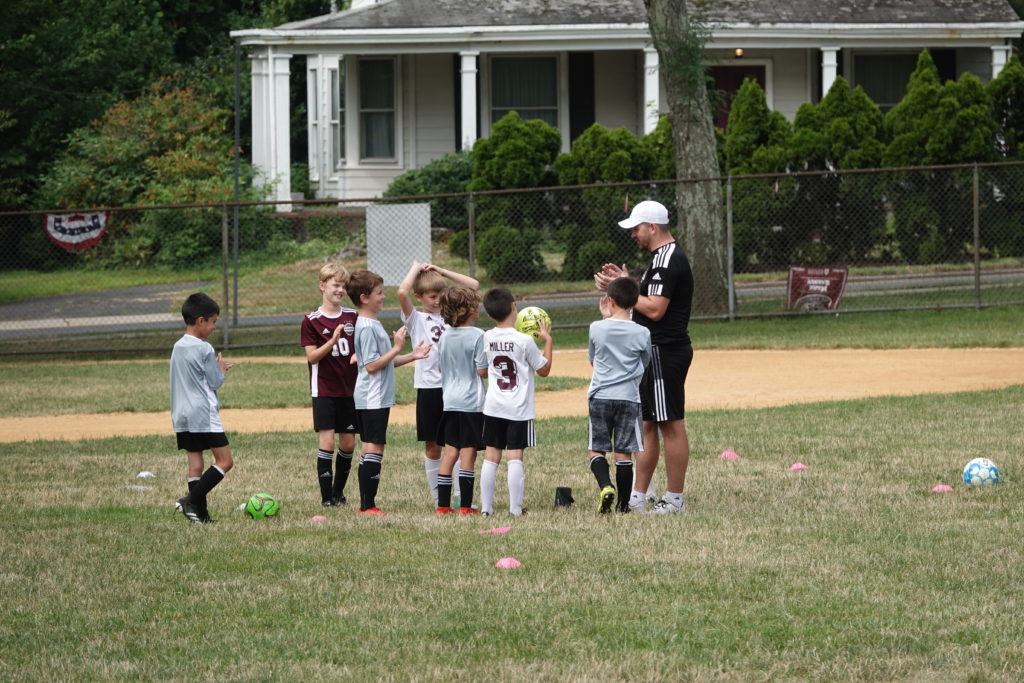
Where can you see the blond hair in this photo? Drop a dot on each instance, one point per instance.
(428, 281)
(333, 271)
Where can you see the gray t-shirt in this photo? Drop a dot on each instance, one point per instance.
(373, 389)
(619, 350)
(195, 377)
(460, 354)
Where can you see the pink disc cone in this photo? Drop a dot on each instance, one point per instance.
(729, 455)
(942, 488)
(498, 530)
(318, 518)
(508, 563)
(797, 466)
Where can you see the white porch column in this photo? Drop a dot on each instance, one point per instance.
(468, 110)
(652, 92)
(829, 68)
(1000, 56)
(271, 141)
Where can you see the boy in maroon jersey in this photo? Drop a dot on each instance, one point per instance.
(327, 334)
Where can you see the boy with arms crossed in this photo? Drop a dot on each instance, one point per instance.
(463, 364)
(196, 374)
(512, 358)
(328, 335)
(374, 392)
(620, 350)
(426, 281)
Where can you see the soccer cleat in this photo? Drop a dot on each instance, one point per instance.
(521, 513)
(329, 503)
(373, 511)
(640, 508)
(484, 513)
(179, 504)
(190, 512)
(339, 499)
(468, 511)
(607, 500)
(663, 507)
(445, 511)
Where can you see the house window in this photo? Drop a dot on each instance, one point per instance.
(337, 117)
(884, 77)
(526, 85)
(377, 108)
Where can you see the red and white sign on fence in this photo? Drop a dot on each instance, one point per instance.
(76, 231)
(815, 289)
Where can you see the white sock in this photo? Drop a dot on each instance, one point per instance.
(638, 499)
(652, 492)
(674, 498)
(432, 467)
(516, 485)
(488, 473)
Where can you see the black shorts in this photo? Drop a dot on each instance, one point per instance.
(615, 426)
(337, 413)
(461, 430)
(662, 396)
(197, 442)
(509, 434)
(429, 408)
(373, 425)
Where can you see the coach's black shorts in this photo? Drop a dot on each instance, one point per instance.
(461, 430)
(511, 435)
(337, 413)
(662, 396)
(373, 425)
(197, 442)
(429, 408)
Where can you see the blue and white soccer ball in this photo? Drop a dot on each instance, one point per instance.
(981, 471)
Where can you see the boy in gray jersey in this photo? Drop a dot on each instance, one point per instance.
(619, 349)
(196, 374)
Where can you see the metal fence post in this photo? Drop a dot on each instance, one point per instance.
(472, 234)
(225, 324)
(977, 239)
(729, 248)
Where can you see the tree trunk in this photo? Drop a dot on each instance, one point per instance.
(680, 45)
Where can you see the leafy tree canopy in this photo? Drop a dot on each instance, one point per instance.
(1007, 93)
(842, 131)
(517, 153)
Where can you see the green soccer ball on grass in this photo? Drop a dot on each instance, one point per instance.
(262, 506)
(529, 319)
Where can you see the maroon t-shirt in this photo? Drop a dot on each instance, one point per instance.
(335, 374)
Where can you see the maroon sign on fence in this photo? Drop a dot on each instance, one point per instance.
(815, 289)
(76, 231)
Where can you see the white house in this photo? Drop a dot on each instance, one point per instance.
(395, 84)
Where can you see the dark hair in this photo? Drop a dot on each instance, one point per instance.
(362, 282)
(624, 291)
(198, 306)
(458, 304)
(498, 303)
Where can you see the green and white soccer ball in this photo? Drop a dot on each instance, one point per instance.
(529, 319)
(981, 471)
(262, 506)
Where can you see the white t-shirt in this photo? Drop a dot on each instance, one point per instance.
(426, 327)
(512, 359)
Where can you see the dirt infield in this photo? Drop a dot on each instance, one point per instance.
(718, 379)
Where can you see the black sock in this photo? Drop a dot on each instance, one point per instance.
(323, 473)
(599, 466)
(342, 466)
(369, 479)
(192, 484)
(211, 477)
(444, 490)
(623, 482)
(466, 479)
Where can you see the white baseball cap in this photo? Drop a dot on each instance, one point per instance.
(646, 212)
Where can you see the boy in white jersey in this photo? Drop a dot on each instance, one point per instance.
(328, 336)
(512, 358)
(374, 392)
(426, 281)
(619, 349)
(463, 365)
(196, 374)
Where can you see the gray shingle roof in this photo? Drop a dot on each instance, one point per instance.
(449, 13)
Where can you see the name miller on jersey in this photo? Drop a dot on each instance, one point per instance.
(501, 346)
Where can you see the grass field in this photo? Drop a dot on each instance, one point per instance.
(849, 570)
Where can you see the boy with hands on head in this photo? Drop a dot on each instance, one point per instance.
(374, 392)
(426, 281)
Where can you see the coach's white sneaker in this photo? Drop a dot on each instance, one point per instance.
(663, 507)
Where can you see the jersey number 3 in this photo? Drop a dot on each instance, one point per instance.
(508, 380)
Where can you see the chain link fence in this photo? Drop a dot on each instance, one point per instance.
(902, 239)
